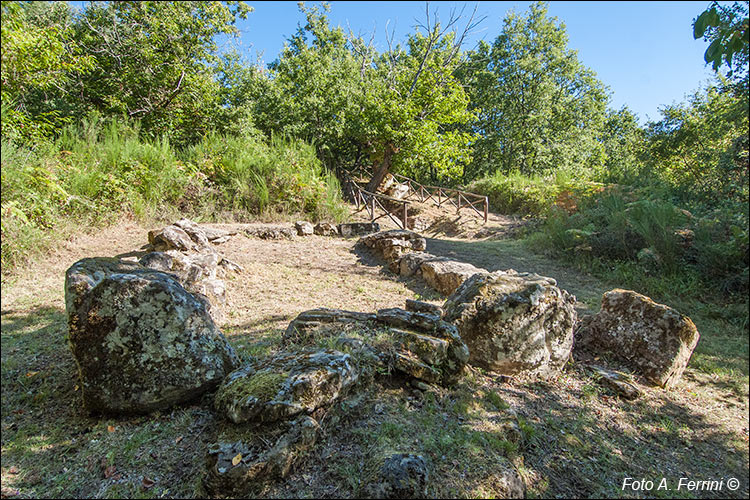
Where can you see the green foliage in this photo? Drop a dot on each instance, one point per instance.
(539, 109)
(726, 29)
(700, 149)
(623, 228)
(38, 58)
(515, 193)
(101, 169)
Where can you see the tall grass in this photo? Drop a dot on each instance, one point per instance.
(100, 170)
(515, 193)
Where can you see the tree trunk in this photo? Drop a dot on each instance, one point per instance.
(380, 173)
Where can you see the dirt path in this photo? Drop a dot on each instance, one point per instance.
(579, 440)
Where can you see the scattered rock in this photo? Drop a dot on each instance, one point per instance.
(514, 323)
(217, 236)
(195, 232)
(447, 275)
(652, 338)
(358, 228)
(410, 264)
(392, 244)
(140, 340)
(171, 238)
(618, 382)
(284, 386)
(271, 233)
(230, 265)
(303, 228)
(403, 475)
(424, 307)
(326, 229)
(238, 468)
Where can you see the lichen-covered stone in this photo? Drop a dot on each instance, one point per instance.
(196, 233)
(240, 468)
(514, 323)
(652, 338)
(424, 307)
(418, 344)
(140, 340)
(314, 320)
(271, 233)
(303, 228)
(392, 244)
(350, 229)
(446, 276)
(171, 238)
(326, 229)
(403, 475)
(410, 263)
(285, 386)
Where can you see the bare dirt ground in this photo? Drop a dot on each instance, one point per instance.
(578, 439)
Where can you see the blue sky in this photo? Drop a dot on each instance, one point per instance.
(643, 51)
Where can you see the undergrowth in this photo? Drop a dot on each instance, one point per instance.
(100, 171)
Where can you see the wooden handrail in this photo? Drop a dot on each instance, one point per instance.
(447, 193)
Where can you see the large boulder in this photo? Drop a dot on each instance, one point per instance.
(415, 343)
(446, 276)
(514, 323)
(652, 338)
(140, 340)
(285, 386)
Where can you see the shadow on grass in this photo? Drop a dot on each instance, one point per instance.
(578, 449)
(53, 448)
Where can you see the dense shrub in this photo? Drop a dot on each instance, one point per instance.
(101, 170)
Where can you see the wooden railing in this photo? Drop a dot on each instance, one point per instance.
(440, 195)
(372, 201)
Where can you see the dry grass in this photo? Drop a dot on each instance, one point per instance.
(578, 439)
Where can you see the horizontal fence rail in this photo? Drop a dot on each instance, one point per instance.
(372, 201)
(440, 195)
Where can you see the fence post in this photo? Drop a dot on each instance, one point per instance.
(405, 215)
(440, 191)
(372, 208)
(458, 210)
(486, 208)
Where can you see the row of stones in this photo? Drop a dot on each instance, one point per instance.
(522, 323)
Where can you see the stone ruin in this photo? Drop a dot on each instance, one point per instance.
(144, 338)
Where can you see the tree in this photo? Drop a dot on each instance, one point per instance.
(417, 109)
(154, 62)
(700, 148)
(538, 107)
(399, 109)
(728, 33)
(624, 147)
(38, 58)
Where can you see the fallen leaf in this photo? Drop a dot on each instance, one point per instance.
(31, 374)
(75, 388)
(147, 483)
(109, 472)
(13, 470)
(179, 438)
(110, 428)
(237, 459)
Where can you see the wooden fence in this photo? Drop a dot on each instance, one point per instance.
(440, 196)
